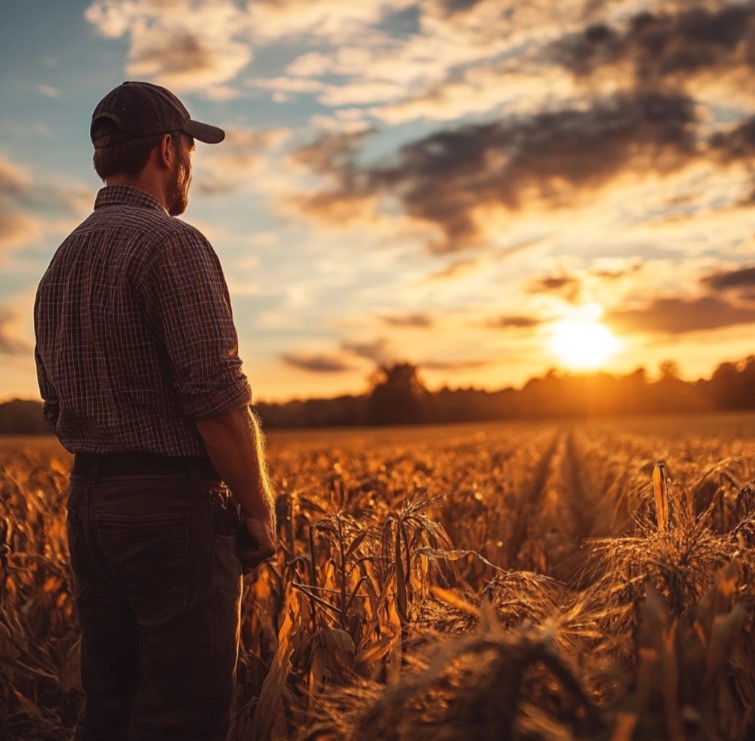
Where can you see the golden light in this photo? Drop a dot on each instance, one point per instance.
(583, 343)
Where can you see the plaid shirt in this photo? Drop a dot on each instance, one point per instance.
(135, 337)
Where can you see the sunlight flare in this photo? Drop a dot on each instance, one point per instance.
(582, 342)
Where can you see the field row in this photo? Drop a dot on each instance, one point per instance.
(501, 581)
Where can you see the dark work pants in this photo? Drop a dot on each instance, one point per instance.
(157, 589)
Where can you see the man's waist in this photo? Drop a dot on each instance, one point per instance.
(142, 464)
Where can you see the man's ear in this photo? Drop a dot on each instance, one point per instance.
(166, 151)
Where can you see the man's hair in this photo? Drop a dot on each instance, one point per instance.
(125, 158)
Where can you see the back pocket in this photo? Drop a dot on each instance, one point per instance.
(147, 555)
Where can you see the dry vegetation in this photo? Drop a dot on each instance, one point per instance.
(508, 581)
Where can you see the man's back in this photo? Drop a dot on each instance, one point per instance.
(123, 334)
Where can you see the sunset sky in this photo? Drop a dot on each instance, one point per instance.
(487, 189)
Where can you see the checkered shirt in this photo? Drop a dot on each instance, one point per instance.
(134, 334)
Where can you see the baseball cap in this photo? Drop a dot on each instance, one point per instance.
(141, 109)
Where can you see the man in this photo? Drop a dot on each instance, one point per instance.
(138, 368)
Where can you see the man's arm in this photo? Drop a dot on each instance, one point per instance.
(235, 446)
(51, 406)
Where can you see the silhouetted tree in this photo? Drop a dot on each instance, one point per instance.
(397, 397)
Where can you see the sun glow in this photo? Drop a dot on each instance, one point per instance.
(582, 342)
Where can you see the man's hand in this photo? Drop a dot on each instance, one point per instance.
(257, 542)
(234, 444)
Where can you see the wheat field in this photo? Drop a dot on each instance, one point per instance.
(550, 580)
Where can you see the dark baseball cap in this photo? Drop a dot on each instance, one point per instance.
(141, 109)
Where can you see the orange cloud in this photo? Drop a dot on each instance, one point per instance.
(416, 320)
(29, 209)
(10, 341)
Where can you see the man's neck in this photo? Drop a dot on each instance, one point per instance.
(147, 184)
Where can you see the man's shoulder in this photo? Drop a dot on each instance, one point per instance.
(151, 226)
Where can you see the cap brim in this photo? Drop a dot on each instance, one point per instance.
(204, 132)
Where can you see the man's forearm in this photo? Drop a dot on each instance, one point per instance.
(235, 446)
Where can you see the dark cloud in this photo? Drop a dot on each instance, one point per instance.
(549, 160)
(553, 283)
(678, 315)
(740, 278)
(737, 143)
(420, 320)
(317, 363)
(452, 7)
(664, 47)
(453, 365)
(568, 287)
(378, 351)
(332, 154)
(515, 322)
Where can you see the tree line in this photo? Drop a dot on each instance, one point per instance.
(397, 395)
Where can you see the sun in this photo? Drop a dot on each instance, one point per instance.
(583, 343)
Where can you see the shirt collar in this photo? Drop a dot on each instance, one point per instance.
(127, 195)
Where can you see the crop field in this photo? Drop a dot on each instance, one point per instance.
(560, 580)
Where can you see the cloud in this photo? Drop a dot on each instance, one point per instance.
(285, 87)
(738, 143)
(731, 279)
(224, 168)
(454, 181)
(183, 44)
(332, 20)
(47, 91)
(614, 270)
(351, 197)
(29, 208)
(332, 155)
(680, 315)
(318, 363)
(17, 226)
(565, 284)
(453, 270)
(658, 48)
(514, 322)
(311, 64)
(10, 342)
(453, 365)
(17, 229)
(417, 320)
(378, 351)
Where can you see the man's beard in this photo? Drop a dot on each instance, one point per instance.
(179, 193)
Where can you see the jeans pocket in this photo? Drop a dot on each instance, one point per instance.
(147, 556)
(225, 524)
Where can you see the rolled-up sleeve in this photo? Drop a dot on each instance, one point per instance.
(187, 303)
